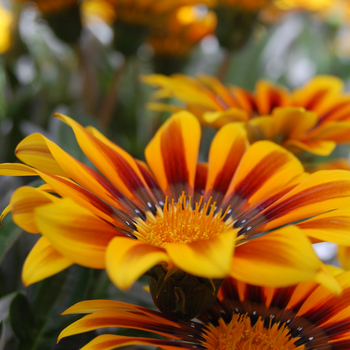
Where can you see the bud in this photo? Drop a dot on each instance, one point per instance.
(177, 293)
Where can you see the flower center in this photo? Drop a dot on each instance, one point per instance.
(240, 335)
(181, 223)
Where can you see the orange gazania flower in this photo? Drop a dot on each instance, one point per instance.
(313, 118)
(244, 317)
(202, 218)
(181, 31)
(141, 12)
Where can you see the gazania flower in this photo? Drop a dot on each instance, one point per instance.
(180, 219)
(182, 29)
(244, 317)
(313, 118)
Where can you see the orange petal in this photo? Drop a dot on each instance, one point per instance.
(264, 170)
(314, 95)
(333, 226)
(218, 119)
(269, 96)
(115, 164)
(14, 169)
(109, 341)
(5, 212)
(75, 232)
(319, 147)
(321, 192)
(344, 257)
(293, 122)
(33, 151)
(43, 261)
(44, 155)
(261, 128)
(23, 203)
(172, 154)
(209, 258)
(280, 258)
(128, 259)
(226, 151)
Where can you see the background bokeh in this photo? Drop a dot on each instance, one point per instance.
(85, 59)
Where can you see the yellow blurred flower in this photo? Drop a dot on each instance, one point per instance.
(314, 118)
(309, 5)
(98, 9)
(181, 30)
(5, 29)
(145, 12)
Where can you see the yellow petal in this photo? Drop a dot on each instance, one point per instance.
(172, 154)
(344, 257)
(75, 232)
(115, 164)
(280, 258)
(128, 259)
(218, 119)
(226, 151)
(43, 261)
(265, 169)
(23, 203)
(333, 226)
(205, 258)
(321, 192)
(34, 152)
(14, 169)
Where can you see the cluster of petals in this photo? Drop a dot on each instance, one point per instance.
(112, 217)
(313, 118)
(305, 316)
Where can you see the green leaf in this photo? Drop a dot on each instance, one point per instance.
(9, 233)
(22, 319)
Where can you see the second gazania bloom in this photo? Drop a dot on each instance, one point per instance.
(177, 218)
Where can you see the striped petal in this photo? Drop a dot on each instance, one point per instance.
(43, 261)
(115, 164)
(44, 155)
(33, 151)
(75, 232)
(23, 203)
(333, 226)
(172, 154)
(321, 192)
(109, 341)
(226, 151)
(15, 169)
(128, 259)
(280, 258)
(319, 147)
(209, 258)
(264, 170)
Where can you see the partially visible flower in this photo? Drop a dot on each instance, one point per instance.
(174, 37)
(175, 217)
(98, 10)
(181, 30)
(142, 12)
(6, 19)
(313, 118)
(244, 317)
(305, 5)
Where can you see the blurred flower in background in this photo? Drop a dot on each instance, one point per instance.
(6, 19)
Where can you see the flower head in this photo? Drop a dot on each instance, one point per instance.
(210, 220)
(245, 317)
(313, 118)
